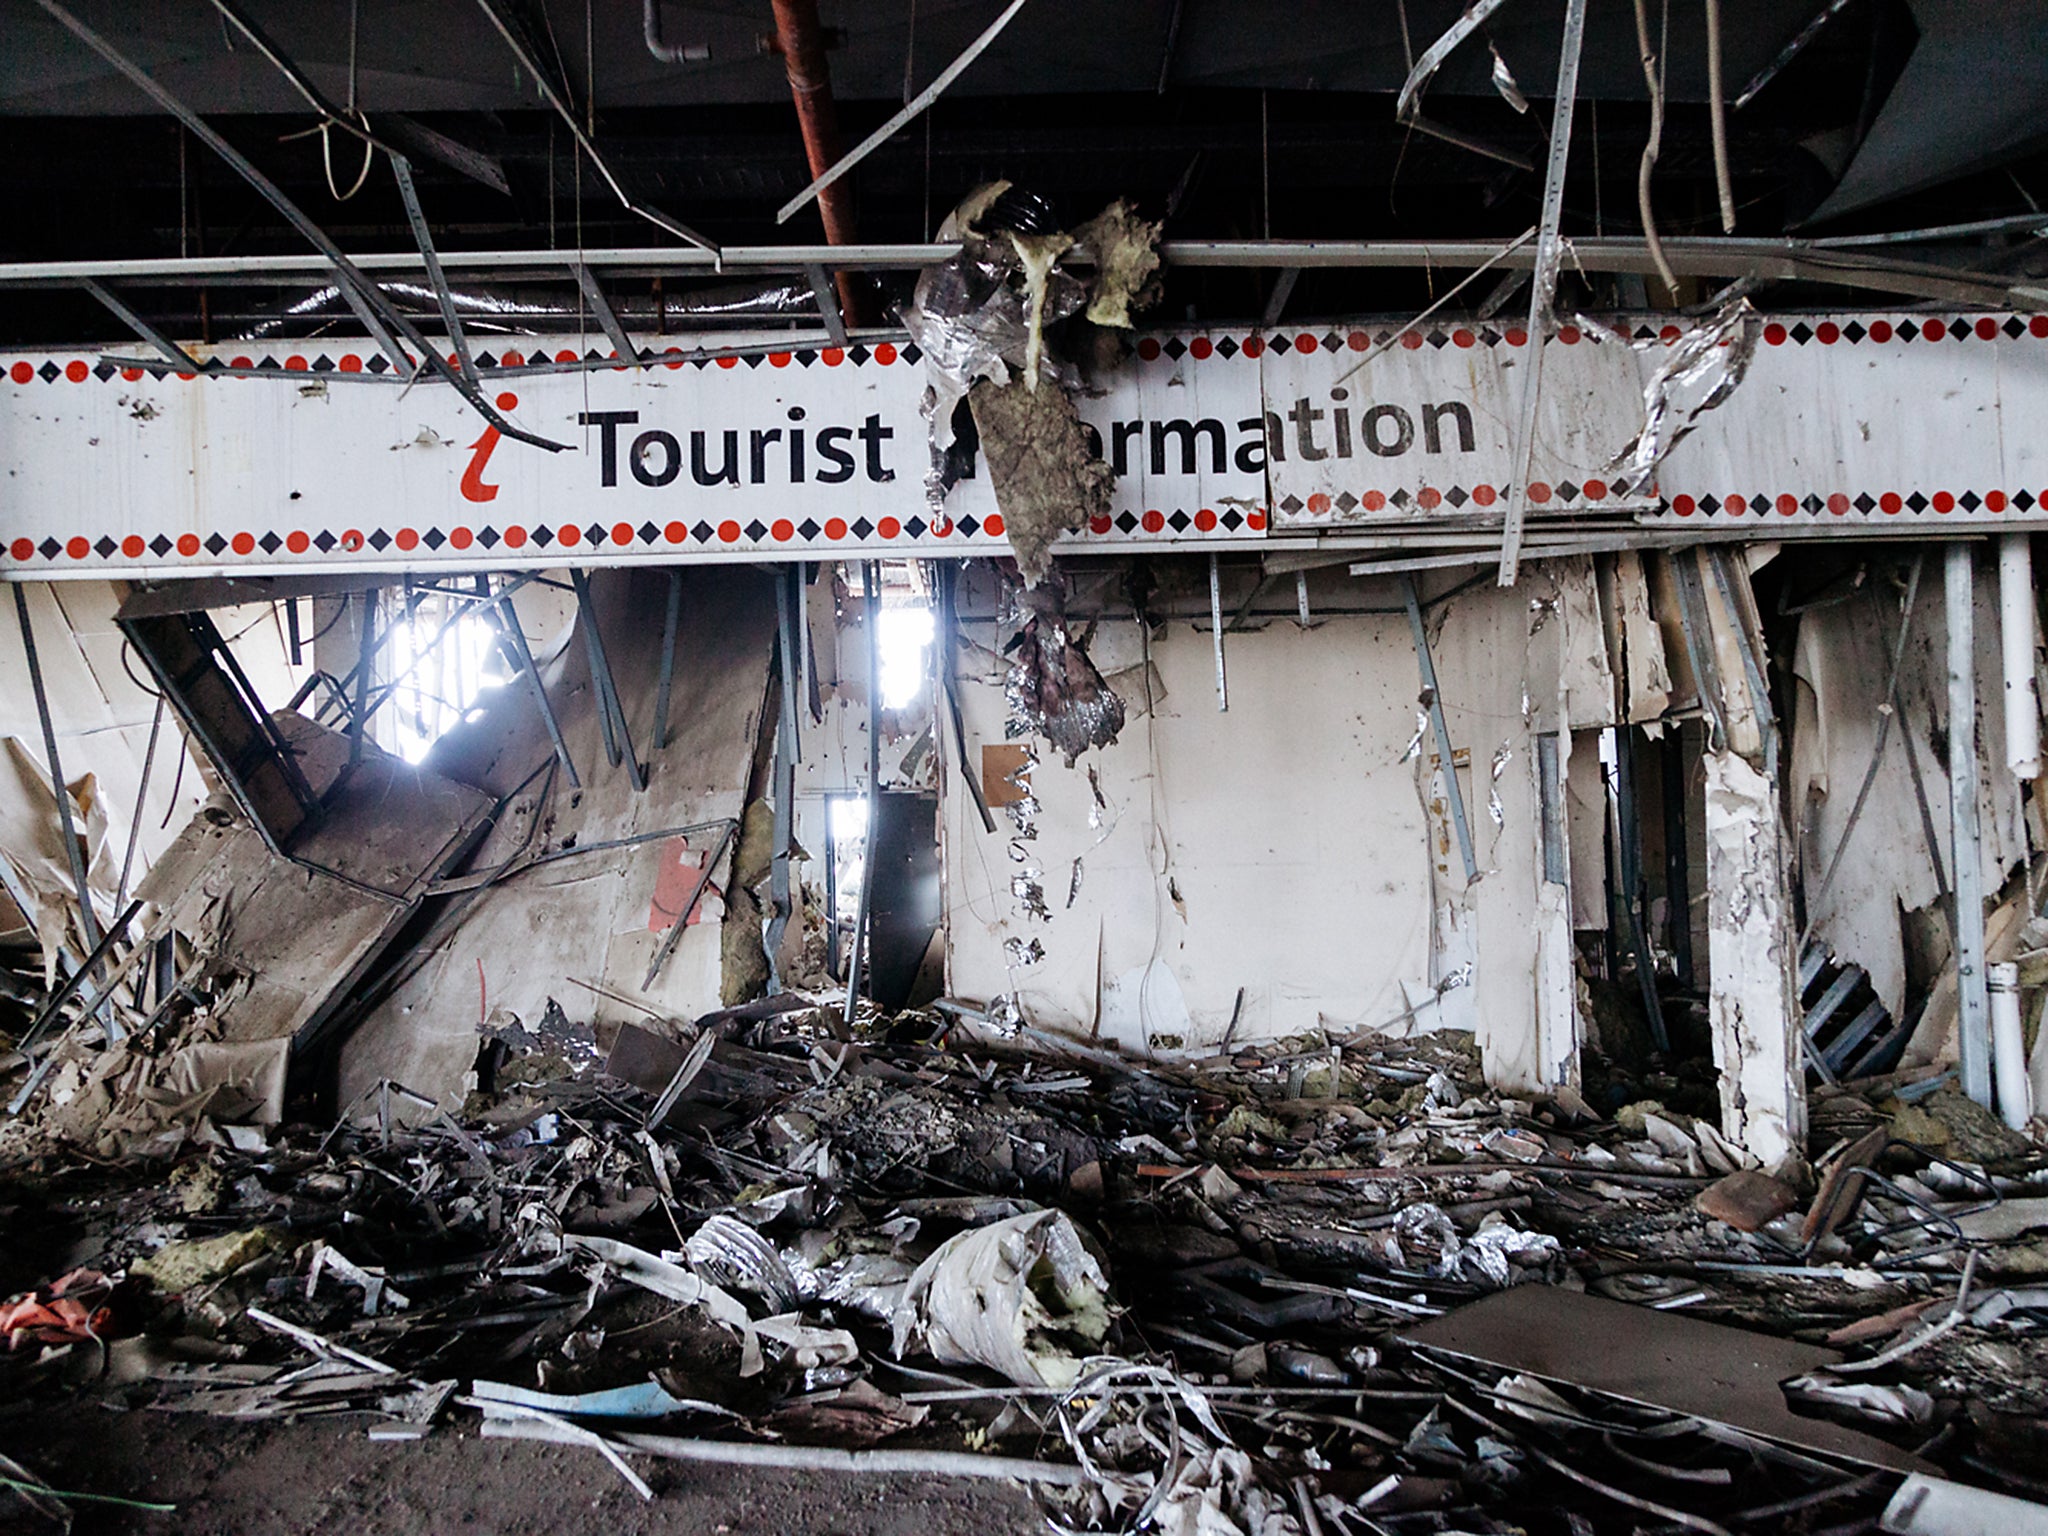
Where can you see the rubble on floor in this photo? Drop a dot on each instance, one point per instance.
(1317, 1286)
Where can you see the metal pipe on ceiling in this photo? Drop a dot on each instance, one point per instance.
(801, 38)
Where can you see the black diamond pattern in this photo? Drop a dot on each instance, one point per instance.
(1346, 501)
(1908, 329)
(50, 548)
(324, 541)
(323, 364)
(1456, 496)
(378, 364)
(859, 353)
(1802, 333)
(1710, 504)
(1962, 330)
(1125, 522)
(105, 547)
(488, 537)
(808, 528)
(160, 546)
(2023, 500)
(106, 371)
(1227, 347)
(270, 543)
(702, 531)
(910, 354)
(1854, 330)
(1179, 521)
(648, 533)
(1812, 503)
(1280, 344)
(2012, 326)
(915, 528)
(1290, 504)
(1917, 502)
(1864, 501)
(1174, 348)
(543, 536)
(379, 540)
(1399, 498)
(967, 525)
(48, 372)
(756, 531)
(215, 544)
(595, 533)
(1969, 501)
(1233, 519)
(861, 528)
(1567, 492)
(434, 538)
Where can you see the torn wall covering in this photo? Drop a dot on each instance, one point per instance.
(1842, 660)
(591, 916)
(1213, 862)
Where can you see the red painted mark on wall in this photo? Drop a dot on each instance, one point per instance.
(675, 885)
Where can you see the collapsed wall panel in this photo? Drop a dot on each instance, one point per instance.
(537, 919)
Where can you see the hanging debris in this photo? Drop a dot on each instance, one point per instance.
(1056, 692)
(1704, 368)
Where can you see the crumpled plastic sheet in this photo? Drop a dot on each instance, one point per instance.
(1424, 1240)
(1012, 1296)
(1700, 371)
(728, 1252)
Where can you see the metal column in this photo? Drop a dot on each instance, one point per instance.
(1973, 1019)
(789, 596)
(1434, 703)
(871, 591)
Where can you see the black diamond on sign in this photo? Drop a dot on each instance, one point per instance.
(106, 371)
(1174, 348)
(1567, 492)
(1125, 522)
(270, 363)
(323, 364)
(543, 536)
(1863, 502)
(1231, 519)
(215, 544)
(269, 543)
(215, 365)
(1280, 344)
(323, 541)
(434, 538)
(1802, 333)
(756, 531)
(1908, 329)
(1399, 498)
(859, 353)
(1346, 501)
(488, 537)
(50, 548)
(595, 533)
(1969, 501)
(1227, 347)
(105, 547)
(648, 533)
(1179, 522)
(808, 528)
(701, 532)
(753, 359)
(1812, 503)
(1854, 330)
(2023, 500)
(379, 540)
(910, 354)
(1290, 504)
(1333, 342)
(378, 364)
(969, 526)
(1437, 339)
(915, 528)
(1645, 333)
(160, 546)
(1917, 502)
(47, 372)
(861, 528)
(1710, 504)
(1490, 337)
(2012, 326)
(1961, 330)
(807, 356)
(1456, 496)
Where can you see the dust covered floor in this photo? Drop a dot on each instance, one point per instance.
(280, 1479)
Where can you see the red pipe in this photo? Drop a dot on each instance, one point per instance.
(801, 39)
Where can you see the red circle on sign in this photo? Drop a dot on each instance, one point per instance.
(1568, 334)
(888, 527)
(352, 540)
(1253, 346)
(1774, 333)
(1153, 520)
(835, 527)
(943, 528)
(569, 533)
(782, 530)
(1880, 330)
(297, 364)
(675, 533)
(1256, 521)
(408, 539)
(1838, 504)
(77, 547)
(241, 362)
(1372, 501)
(1304, 342)
(1096, 524)
(1943, 502)
(512, 359)
(993, 525)
(1516, 336)
(22, 549)
(2038, 326)
(1669, 334)
(132, 546)
(1827, 333)
(729, 531)
(1148, 348)
(672, 358)
(728, 362)
(350, 363)
(1889, 503)
(297, 542)
(1462, 337)
(461, 538)
(833, 356)
(188, 544)
(1319, 504)
(1428, 497)
(622, 533)
(1596, 490)
(886, 353)
(566, 355)
(1683, 505)
(1539, 491)
(76, 371)
(1994, 501)
(778, 359)
(1200, 348)
(1987, 329)
(1483, 494)
(1411, 340)
(1934, 330)
(132, 374)
(21, 373)
(1787, 504)
(515, 537)
(1734, 506)
(1205, 520)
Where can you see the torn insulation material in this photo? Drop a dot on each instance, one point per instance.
(1046, 478)
(1055, 691)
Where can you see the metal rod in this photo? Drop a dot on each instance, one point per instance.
(618, 736)
(1677, 857)
(89, 923)
(71, 984)
(512, 640)
(828, 302)
(1433, 701)
(1973, 1015)
(786, 749)
(423, 237)
(156, 725)
(1543, 288)
(607, 317)
(366, 651)
(1790, 51)
(179, 358)
(671, 620)
(871, 593)
(948, 626)
(1216, 629)
(911, 109)
(675, 932)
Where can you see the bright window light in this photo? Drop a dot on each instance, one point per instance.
(902, 637)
